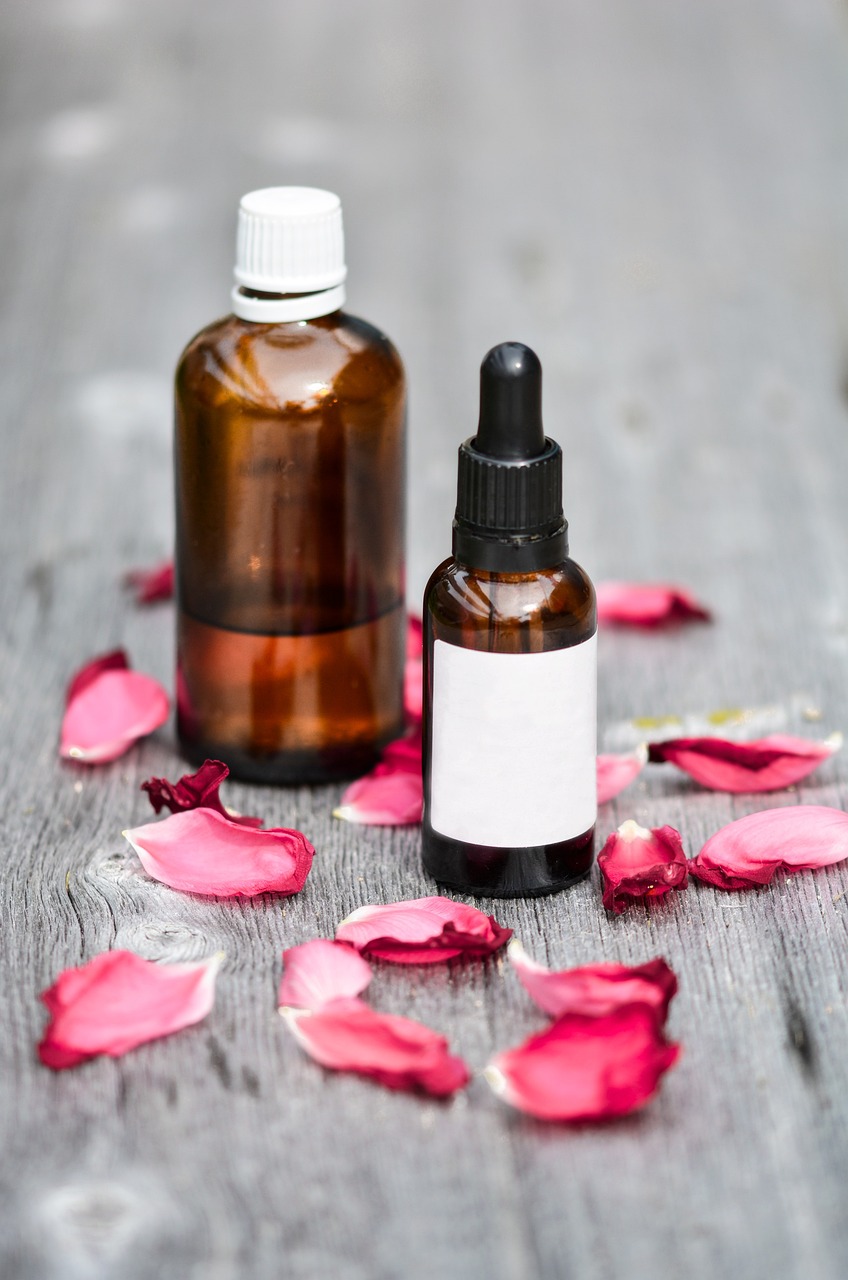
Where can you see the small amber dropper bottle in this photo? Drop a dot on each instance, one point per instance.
(289, 464)
(510, 792)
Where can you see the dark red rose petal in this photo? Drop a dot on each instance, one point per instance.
(152, 585)
(595, 989)
(633, 604)
(422, 931)
(636, 863)
(766, 764)
(195, 791)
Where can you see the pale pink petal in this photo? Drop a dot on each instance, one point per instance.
(617, 772)
(747, 852)
(109, 707)
(595, 989)
(422, 931)
(152, 585)
(399, 1053)
(195, 791)
(200, 851)
(392, 794)
(637, 863)
(118, 1001)
(319, 971)
(584, 1068)
(766, 764)
(633, 604)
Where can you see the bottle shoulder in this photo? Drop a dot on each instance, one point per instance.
(269, 366)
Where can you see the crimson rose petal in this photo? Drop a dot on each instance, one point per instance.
(766, 764)
(586, 1068)
(392, 794)
(195, 791)
(637, 863)
(747, 852)
(615, 772)
(414, 670)
(348, 1035)
(595, 989)
(152, 585)
(118, 1001)
(319, 971)
(108, 708)
(422, 931)
(200, 851)
(633, 604)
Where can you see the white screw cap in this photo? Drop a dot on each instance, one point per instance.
(290, 240)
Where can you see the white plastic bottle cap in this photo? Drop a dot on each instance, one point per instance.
(290, 240)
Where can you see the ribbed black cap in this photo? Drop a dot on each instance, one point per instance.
(509, 493)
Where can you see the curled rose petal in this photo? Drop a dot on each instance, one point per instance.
(615, 772)
(152, 585)
(195, 791)
(392, 794)
(108, 708)
(637, 863)
(747, 852)
(765, 764)
(634, 604)
(319, 971)
(413, 679)
(200, 851)
(399, 1053)
(422, 931)
(586, 1068)
(118, 1001)
(595, 989)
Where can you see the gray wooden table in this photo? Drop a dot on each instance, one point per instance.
(654, 196)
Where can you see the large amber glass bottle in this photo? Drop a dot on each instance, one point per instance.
(289, 462)
(510, 663)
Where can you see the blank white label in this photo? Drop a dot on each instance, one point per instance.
(513, 758)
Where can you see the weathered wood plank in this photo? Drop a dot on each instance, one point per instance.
(652, 195)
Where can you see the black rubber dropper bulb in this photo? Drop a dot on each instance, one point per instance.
(509, 515)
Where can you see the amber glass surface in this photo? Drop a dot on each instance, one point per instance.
(289, 466)
(528, 613)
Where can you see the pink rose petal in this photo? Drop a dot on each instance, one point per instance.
(422, 931)
(766, 764)
(319, 971)
(637, 863)
(747, 852)
(615, 772)
(118, 1001)
(108, 708)
(595, 989)
(152, 585)
(195, 791)
(200, 851)
(414, 671)
(397, 1052)
(585, 1068)
(392, 794)
(633, 604)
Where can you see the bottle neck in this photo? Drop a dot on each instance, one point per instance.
(504, 554)
(277, 308)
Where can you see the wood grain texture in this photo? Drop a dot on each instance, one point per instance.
(652, 195)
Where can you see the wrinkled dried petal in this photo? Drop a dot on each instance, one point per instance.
(152, 585)
(319, 971)
(595, 989)
(397, 1052)
(633, 604)
(615, 772)
(766, 764)
(413, 679)
(422, 931)
(200, 851)
(108, 708)
(585, 1068)
(118, 1001)
(195, 791)
(637, 863)
(747, 852)
(392, 794)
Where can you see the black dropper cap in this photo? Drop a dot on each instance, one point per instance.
(509, 494)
